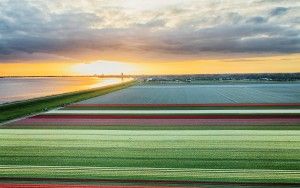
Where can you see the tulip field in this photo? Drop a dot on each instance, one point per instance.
(154, 145)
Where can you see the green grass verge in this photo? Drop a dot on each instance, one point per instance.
(23, 108)
(205, 155)
(116, 173)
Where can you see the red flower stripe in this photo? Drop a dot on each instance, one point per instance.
(89, 116)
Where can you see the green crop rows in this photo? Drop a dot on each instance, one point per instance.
(207, 155)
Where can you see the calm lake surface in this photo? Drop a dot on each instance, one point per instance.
(16, 89)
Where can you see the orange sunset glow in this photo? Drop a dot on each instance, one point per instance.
(273, 64)
(147, 38)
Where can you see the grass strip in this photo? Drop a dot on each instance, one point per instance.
(28, 107)
(158, 174)
(253, 151)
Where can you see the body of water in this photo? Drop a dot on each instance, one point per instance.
(22, 88)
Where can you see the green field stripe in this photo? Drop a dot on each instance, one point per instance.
(232, 137)
(144, 135)
(155, 153)
(228, 175)
(155, 163)
(54, 132)
(152, 139)
(174, 148)
(247, 138)
(191, 149)
(156, 144)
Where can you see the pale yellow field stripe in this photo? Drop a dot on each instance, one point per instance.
(274, 111)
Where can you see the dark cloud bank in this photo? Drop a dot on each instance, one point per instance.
(27, 29)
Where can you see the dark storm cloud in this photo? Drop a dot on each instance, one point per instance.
(33, 29)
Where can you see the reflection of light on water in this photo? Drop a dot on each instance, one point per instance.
(17, 89)
(110, 81)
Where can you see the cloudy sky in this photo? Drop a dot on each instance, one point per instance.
(149, 36)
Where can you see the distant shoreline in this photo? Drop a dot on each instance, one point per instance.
(189, 77)
(155, 75)
(17, 109)
(215, 82)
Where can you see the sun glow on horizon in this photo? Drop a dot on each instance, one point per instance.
(104, 67)
(135, 66)
(268, 64)
(140, 37)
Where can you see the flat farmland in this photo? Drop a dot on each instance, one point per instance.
(161, 136)
(198, 155)
(201, 94)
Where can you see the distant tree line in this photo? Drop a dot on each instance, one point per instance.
(220, 77)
